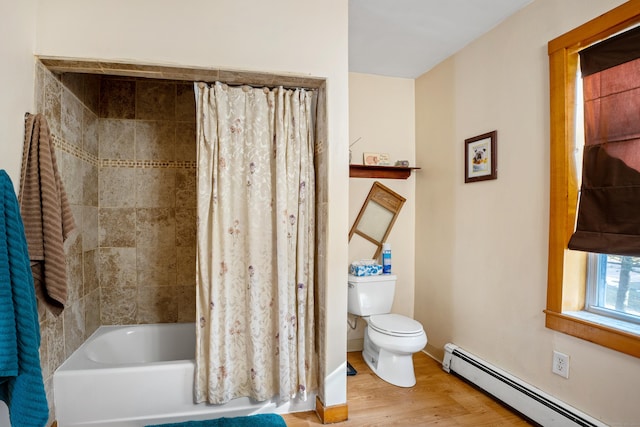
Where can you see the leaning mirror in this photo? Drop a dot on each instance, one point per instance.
(377, 215)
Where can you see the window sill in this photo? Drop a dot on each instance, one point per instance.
(631, 328)
(595, 330)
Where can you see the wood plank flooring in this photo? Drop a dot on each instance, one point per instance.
(438, 399)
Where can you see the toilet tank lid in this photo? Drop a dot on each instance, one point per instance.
(368, 279)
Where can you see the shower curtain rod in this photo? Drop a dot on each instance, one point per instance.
(259, 86)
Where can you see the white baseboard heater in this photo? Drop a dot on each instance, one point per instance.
(521, 396)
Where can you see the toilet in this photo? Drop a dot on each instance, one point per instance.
(389, 339)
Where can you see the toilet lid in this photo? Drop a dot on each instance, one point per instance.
(395, 324)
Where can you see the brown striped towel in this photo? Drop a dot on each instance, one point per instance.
(48, 220)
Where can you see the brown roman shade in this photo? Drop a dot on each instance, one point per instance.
(609, 209)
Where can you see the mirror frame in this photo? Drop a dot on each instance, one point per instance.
(389, 200)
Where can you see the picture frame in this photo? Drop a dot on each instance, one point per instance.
(371, 159)
(481, 157)
(384, 160)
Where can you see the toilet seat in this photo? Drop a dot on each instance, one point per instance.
(395, 325)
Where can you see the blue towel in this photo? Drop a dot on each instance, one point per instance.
(260, 420)
(21, 385)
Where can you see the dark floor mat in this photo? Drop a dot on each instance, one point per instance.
(351, 370)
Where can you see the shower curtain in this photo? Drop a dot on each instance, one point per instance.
(255, 244)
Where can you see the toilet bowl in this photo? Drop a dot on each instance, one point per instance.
(389, 343)
(389, 339)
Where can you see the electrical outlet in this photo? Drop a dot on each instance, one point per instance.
(560, 364)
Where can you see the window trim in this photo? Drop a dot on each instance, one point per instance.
(567, 269)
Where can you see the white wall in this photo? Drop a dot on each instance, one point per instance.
(280, 36)
(17, 32)
(482, 247)
(382, 114)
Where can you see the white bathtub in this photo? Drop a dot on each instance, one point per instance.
(132, 376)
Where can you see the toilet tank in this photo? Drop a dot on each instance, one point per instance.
(370, 295)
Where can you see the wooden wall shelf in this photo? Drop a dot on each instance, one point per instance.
(391, 172)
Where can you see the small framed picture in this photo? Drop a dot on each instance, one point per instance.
(481, 157)
(384, 160)
(371, 159)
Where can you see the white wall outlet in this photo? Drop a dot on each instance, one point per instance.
(560, 364)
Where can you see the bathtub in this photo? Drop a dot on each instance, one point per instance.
(132, 376)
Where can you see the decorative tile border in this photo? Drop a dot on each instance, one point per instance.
(74, 150)
(77, 152)
(148, 164)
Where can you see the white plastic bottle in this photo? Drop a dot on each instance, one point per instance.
(386, 258)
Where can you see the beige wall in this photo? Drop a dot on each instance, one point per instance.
(381, 114)
(17, 24)
(481, 279)
(17, 30)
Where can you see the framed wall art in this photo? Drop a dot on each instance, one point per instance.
(370, 159)
(481, 157)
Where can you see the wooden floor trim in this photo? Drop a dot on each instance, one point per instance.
(331, 414)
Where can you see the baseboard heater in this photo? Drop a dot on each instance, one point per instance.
(521, 396)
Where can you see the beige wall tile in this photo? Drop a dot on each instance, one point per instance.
(71, 118)
(117, 98)
(52, 102)
(47, 370)
(186, 266)
(117, 227)
(39, 89)
(155, 100)
(186, 188)
(185, 227)
(71, 173)
(156, 227)
(89, 184)
(155, 140)
(185, 147)
(117, 268)
(89, 228)
(186, 299)
(90, 267)
(117, 139)
(157, 304)
(156, 265)
(185, 103)
(117, 188)
(91, 312)
(118, 306)
(92, 92)
(74, 326)
(74, 82)
(90, 132)
(155, 188)
(53, 333)
(73, 260)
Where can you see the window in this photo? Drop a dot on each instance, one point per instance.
(613, 287)
(566, 284)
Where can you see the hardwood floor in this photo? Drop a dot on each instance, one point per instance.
(438, 399)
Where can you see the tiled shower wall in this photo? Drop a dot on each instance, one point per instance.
(126, 153)
(147, 201)
(74, 131)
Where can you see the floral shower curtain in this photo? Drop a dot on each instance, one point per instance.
(256, 243)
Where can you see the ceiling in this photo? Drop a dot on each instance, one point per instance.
(406, 38)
